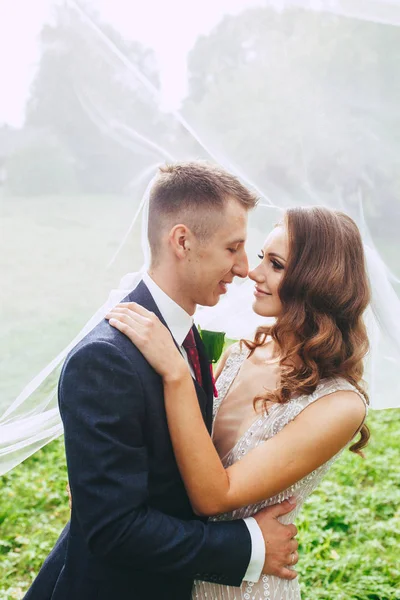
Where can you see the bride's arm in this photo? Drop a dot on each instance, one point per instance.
(312, 438)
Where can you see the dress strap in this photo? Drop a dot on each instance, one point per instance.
(236, 358)
(337, 384)
(332, 385)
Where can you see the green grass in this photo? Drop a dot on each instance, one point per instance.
(349, 531)
(33, 510)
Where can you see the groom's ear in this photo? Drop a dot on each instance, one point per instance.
(180, 240)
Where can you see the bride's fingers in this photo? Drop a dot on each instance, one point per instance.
(128, 318)
(137, 308)
(147, 318)
(141, 324)
(140, 330)
(143, 331)
(153, 327)
(123, 310)
(134, 331)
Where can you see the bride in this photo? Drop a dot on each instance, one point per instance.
(290, 400)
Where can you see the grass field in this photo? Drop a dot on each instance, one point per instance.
(349, 531)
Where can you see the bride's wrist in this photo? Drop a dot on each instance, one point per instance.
(177, 374)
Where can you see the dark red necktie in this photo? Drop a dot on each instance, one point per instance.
(189, 343)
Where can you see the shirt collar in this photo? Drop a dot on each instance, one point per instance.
(179, 322)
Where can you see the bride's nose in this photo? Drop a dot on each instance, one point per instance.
(256, 275)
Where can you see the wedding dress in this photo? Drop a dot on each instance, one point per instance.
(261, 429)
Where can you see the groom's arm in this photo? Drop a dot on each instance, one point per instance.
(103, 408)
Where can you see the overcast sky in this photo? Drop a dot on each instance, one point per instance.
(169, 27)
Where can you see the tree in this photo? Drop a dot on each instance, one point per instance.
(42, 166)
(305, 103)
(86, 98)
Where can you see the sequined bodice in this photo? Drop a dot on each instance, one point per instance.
(263, 428)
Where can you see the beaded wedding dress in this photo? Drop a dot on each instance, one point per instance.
(263, 428)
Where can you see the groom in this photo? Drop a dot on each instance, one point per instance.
(133, 533)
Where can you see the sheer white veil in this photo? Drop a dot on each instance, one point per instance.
(275, 96)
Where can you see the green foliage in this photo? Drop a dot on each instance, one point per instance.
(214, 343)
(33, 510)
(43, 167)
(87, 98)
(349, 530)
(294, 97)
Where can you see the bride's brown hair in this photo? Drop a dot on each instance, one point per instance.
(324, 293)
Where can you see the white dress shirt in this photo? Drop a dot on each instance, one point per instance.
(179, 323)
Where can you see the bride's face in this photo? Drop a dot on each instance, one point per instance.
(268, 275)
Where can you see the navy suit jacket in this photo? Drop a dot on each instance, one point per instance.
(132, 532)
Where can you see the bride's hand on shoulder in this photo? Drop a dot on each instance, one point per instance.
(150, 336)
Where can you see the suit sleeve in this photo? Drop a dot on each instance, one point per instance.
(103, 409)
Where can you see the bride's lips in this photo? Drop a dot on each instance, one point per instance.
(223, 287)
(260, 293)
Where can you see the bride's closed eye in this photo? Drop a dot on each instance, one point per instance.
(276, 265)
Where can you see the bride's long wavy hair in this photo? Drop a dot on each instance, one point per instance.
(324, 293)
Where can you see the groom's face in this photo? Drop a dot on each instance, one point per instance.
(216, 261)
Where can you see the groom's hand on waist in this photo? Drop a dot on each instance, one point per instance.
(280, 545)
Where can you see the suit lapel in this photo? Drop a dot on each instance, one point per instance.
(142, 296)
(206, 376)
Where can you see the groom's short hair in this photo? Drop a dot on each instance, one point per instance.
(193, 193)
